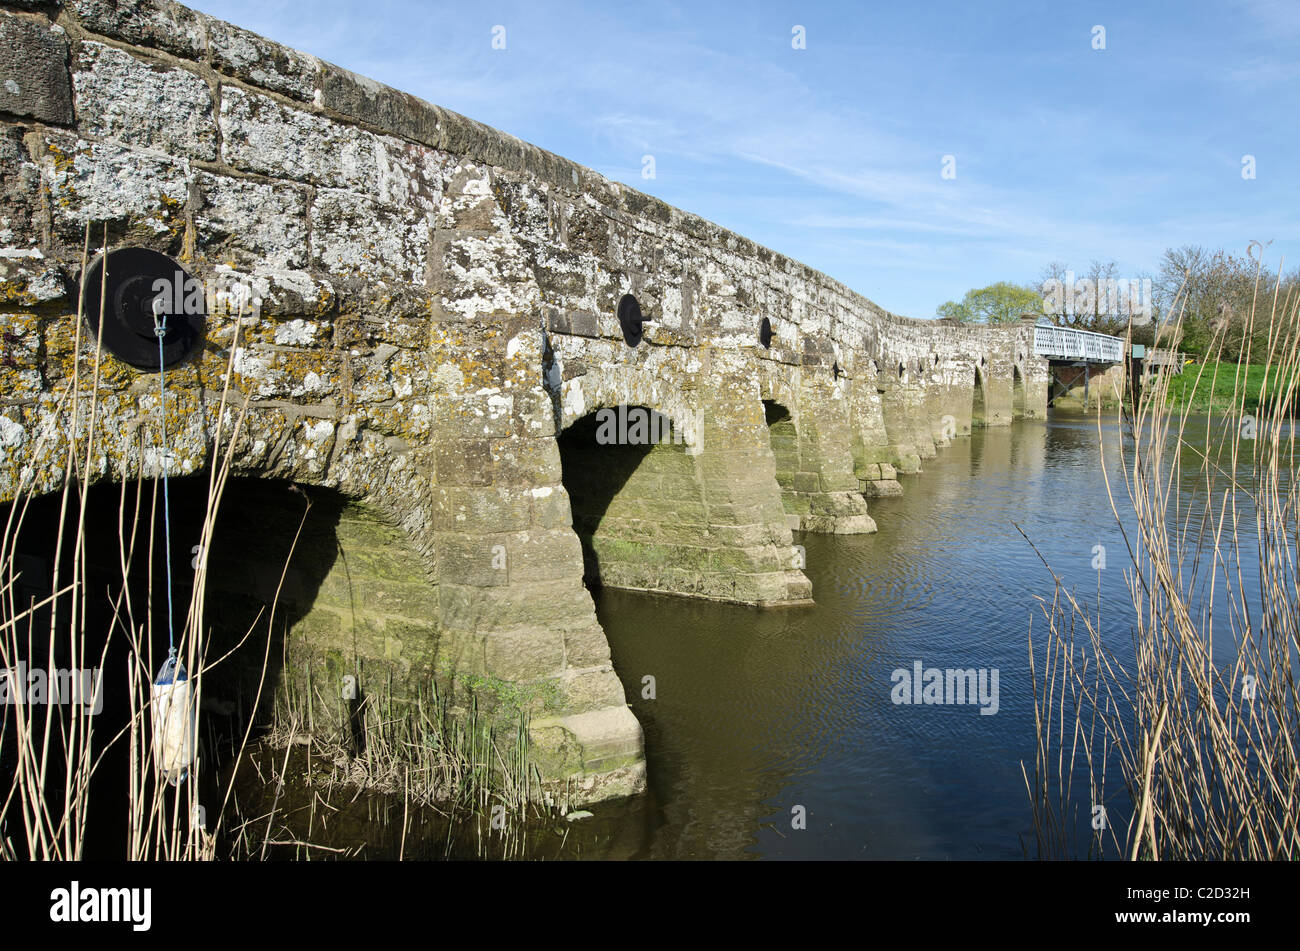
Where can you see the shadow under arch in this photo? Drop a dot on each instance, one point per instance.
(784, 436)
(290, 606)
(635, 497)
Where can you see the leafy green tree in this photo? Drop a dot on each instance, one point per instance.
(998, 303)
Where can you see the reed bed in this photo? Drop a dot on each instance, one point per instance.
(1171, 731)
(472, 769)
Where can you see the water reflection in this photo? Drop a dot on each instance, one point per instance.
(760, 712)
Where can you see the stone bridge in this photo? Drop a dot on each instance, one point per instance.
(437, 325)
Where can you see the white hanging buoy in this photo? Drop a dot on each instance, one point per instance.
(175, 728)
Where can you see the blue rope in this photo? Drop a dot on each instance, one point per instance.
(160, 331)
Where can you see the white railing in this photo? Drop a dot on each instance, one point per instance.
(1064, 343)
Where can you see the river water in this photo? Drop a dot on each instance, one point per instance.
(760, 715)
(775, 733)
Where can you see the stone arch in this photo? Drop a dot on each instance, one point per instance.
(303, 586)
(372, 482)
(811, 436)
(779, 386)
(611, 387)
(273, 440)
(674, 516)
(636, 500)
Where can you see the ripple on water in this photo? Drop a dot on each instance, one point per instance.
(758, 711)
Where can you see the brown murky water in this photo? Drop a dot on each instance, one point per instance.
(760, 716)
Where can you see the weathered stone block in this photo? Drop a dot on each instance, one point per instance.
(410, 175)
(34, 71)
(21, 337)
(545, 556)
(527, 462)
(364, 99)
(356, 236)
(524, 655)
(806, 482)
(261, 135)
(464, 462)
(140, 194)
(882, 489)
(742, 536)
(551, 507)
(592, 690)
(578, 323)
(305, 374)
(487, 510)
(144, 105)
(254, 224)
(33, 281)
(260, 62)
(536, 604)
(156, 23)
(586, 646)
(907, 461)
(20, 200)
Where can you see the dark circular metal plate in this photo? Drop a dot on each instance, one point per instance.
(629, 318)
(137, 277)
(765, 333)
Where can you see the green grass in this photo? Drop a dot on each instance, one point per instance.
(1215, 388)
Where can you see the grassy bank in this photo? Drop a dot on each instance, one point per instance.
(1223, 387)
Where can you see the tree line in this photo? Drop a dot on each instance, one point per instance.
(1210, 291)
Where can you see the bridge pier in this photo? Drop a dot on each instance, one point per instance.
(811, 438)
(877, 477)
(898, 406)
(1087, 385)
(919, 400)
(516, 620)
(957, 394)
(999, 399)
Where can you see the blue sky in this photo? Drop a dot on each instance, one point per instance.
(833, 154)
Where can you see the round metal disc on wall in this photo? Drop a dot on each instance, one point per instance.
(765, 333)
(630, 319)
(138, 280)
